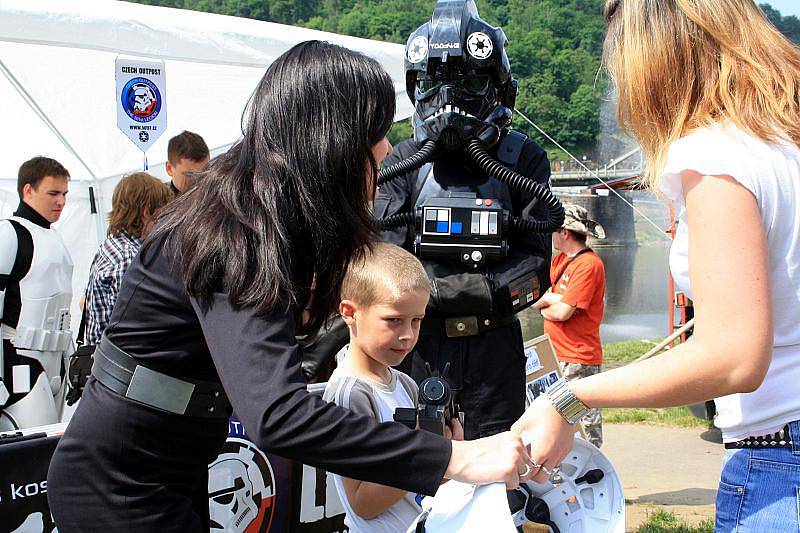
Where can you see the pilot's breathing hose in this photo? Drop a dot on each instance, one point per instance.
(515, 180)
(485, 162)
(397, 221)
(424, 155)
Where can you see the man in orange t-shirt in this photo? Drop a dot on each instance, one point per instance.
(573, 307)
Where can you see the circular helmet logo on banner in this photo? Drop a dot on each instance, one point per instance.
(141, 99)
(418, 49)
(479, 45)
(241, 489)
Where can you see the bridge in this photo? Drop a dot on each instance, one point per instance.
(620, 173)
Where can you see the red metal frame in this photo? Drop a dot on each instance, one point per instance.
(678, 300)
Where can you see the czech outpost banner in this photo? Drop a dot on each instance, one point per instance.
(141, 100)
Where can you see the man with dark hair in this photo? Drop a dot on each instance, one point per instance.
(42, 185)
(573, 307)
(35, 294)
(187, 153)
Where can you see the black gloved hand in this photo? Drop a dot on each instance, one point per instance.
(319, 351)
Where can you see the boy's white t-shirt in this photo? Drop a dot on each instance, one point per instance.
(772, 173)
(379, 401)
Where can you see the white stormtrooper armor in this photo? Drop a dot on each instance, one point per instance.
(30, 396)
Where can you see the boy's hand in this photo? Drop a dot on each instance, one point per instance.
(453, 430)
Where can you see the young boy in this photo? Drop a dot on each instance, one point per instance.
(383, 303)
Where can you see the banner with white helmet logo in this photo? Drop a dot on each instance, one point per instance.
(141, 100)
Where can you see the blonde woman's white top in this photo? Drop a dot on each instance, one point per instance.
(771, 172)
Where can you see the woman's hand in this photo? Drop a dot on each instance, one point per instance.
(550, 436)
(501, 457)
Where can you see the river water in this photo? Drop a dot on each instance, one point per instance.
(637, 294)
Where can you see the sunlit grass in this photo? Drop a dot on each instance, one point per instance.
(666, 522)
(671, 416)
(621, 353)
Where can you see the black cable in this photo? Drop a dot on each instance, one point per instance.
(524, 225)
(397, 221)
(555, 211)
(423, 155)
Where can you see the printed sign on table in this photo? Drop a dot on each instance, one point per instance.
(141, 100)
(532, 361)
(535, 388)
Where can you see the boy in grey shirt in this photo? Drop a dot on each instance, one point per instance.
(383, 302)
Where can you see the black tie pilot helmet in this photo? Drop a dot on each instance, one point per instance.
(458, 77)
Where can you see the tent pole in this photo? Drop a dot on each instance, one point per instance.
(99, 225)
(40, 112)
(99, 220)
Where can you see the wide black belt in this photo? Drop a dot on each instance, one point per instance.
(781, 439)
(463, 326)
(120, 372)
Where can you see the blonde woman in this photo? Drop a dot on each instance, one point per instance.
(712, 92)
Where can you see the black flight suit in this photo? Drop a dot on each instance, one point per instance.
(486, 369)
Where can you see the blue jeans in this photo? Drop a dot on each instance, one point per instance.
(759, 490)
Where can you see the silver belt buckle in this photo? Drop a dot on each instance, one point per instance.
(461, 326)
(159, 390)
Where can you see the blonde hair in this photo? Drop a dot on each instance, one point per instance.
(680, 65)
(383, 266)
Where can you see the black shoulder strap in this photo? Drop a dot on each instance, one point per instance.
(24, 259)
(510, 148)
(421, 179)
(574, 257)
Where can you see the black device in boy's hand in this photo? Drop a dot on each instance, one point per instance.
(435, 408)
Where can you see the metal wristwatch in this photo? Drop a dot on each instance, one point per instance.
(565, 402)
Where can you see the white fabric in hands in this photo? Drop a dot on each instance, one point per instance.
(464, 508)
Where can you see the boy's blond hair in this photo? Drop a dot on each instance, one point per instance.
(383, 265)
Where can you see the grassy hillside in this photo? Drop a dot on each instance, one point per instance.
(554, 48)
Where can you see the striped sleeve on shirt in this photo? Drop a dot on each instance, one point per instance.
(352, 393)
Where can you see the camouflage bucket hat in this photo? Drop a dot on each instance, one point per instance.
(576, 218)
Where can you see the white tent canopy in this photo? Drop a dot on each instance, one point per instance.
(57, 92)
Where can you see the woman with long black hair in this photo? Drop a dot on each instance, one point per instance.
(208, 313)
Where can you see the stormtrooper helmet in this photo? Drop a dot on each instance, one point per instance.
(230, 493)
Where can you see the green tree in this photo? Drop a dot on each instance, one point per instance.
(582, 117)
(789, 25)
(554, 47)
